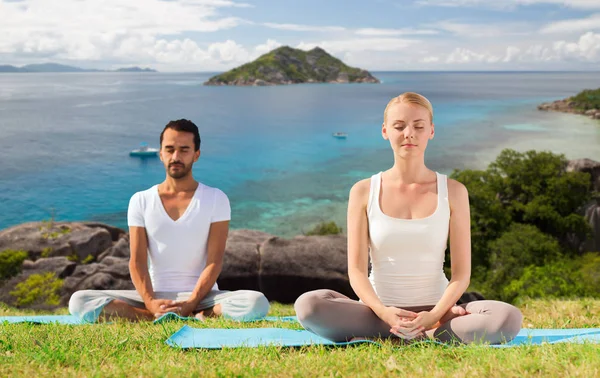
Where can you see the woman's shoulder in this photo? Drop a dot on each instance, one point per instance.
(360, 190)
(456, 187)
(457, 193)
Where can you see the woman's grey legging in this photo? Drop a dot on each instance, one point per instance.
(336, 317)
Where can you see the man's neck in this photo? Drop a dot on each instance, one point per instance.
(185, 184)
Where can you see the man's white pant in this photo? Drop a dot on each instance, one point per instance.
(242, 305)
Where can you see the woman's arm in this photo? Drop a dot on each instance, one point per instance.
(358, 257)
(460, 247)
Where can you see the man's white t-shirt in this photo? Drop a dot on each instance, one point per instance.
(177, 249)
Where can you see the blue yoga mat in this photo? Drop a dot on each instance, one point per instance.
(42, 319)
(210, 338)
(70, 319)
(171, 316)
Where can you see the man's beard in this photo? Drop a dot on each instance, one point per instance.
(182, 172)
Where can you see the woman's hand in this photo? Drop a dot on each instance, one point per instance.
(409, 329)
(401, 322)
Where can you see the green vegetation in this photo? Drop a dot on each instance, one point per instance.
(526, 223)
(11, 262)
(325, 228)
(293, 65)
(88, 259)
(46, 252)
(38, 289)
(49, 232)
(130, 349)
(587, 99)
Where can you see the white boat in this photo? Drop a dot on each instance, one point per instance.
(144, 151)
(340, 135)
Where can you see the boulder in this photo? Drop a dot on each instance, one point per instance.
(242, 260)
(592, 215)
(60, 266)
(587, 165)
(115, 232)
(118, 249)
(51, 239)
(89, 242)
(291, 267)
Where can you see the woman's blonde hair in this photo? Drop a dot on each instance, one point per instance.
(410, 98)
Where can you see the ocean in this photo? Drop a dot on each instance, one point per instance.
(65, 138)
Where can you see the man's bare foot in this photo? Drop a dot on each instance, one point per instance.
(200, 316)
(454, 312)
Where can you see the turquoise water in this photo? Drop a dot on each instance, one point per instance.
(65, 138)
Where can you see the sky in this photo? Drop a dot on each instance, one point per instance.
(377, 35)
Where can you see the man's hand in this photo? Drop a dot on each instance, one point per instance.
(157, 306)
(181, 308)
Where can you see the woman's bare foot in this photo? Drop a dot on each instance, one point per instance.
(454, 312)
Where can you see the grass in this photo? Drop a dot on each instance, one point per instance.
(126, 349)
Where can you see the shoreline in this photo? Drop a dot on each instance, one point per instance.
(568, 106)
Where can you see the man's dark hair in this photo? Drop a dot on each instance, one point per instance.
(183, 125)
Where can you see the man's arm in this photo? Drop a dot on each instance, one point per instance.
(215, 249)
(138, 268)
(138, 263)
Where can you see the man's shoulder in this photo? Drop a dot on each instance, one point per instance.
(211, 191)
(144, 194)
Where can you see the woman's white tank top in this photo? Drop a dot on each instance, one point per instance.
(407, 255)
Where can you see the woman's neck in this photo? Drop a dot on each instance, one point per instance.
(409, 171)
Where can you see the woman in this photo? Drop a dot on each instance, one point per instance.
(402, 219)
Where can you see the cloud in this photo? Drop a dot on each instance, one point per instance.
(303, 28)
(371, 32)
(574, 25)
(463, 55)
(484, 30)
(271, 44)
(510, 4)
(360, 45)
(587, 48)
(94, 30)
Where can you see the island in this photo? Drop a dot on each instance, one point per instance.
(586, 102)
(54, 67)
(286, 65)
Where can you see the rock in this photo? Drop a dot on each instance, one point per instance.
(587, 165)
(591, 112)
(97, 276)
(60, 266)
(242, 260)
(592, 215)
(289, 268)
(89, 242)
(115, 232)
(119, 249)
(51, 239)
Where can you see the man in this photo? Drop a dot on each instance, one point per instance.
(178, 230)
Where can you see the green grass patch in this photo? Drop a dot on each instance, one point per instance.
(138, 349)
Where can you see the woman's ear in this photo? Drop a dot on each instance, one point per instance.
(432, 131)
(384, 131)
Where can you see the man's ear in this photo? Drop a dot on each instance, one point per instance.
(197, 153)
